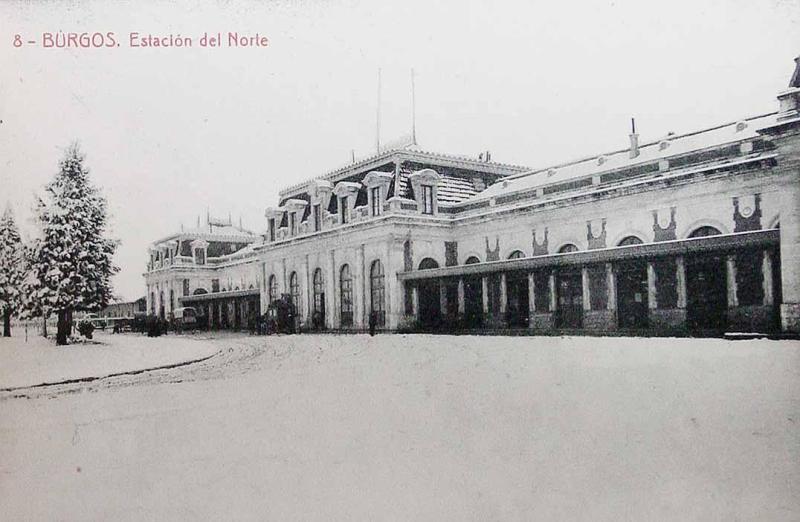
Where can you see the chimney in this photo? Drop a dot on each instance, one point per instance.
(634, 140)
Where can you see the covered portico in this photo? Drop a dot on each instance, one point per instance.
(713, 283)
(234, 310)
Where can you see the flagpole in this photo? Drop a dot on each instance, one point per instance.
(378, 117)
(413, 110)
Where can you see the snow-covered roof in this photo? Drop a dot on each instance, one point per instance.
(408, 153)
(451, 189)
(669, 146)
(214, 232)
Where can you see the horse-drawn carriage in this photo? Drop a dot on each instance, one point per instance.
(280, 317)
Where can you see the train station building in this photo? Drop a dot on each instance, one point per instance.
(697, 232)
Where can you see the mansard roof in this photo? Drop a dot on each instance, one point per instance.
(214, 230)
(406, 154)
(671, 148)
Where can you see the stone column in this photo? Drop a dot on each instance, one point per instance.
(766, 271)
(503, 296)
(284, 281)
(553, 297)
(611, 284)
(587, 303)
(331, 315)
(652, 302)
(461, 296)
(263, 289)
(309, 296)
(485, 294)
(790, 253)
(394, 303)
(730, 270)
(531, 293)
(360, 305)
(443, 297)
(680, 277)
(415, 300)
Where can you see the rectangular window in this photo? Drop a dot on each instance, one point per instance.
(215, 285)
(427, 199)
(200, 256)
(343, 209)
(293, 223)
(376, 201)
(185, 287)
(317, 219)
(272, 229)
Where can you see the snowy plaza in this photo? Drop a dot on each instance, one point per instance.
(396, 427)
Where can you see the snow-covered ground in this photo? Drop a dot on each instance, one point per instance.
(421, 428)
(38, 360)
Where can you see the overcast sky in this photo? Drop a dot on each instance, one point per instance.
(170, 132)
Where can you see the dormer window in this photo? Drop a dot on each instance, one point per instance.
(343, 209)
(376, 201)
(425, 185)
(293, 223)
(200, 256)
(427, 199)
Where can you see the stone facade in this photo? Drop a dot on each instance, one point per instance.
(699, 232)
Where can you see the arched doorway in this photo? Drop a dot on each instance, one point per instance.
(473, 297)
(318, 314)
(706, 286)
(428, 293)
(345, 296)
(377, 287)
(272, 289)
(517, 296)
(294, 289)
(632, 308)
(569, 293)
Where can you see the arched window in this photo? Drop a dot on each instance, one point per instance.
(272, 288)
(516, 254)
(346, 295)
(294, 291)
(630, 240)
(377, 292)
(471, 260)
(428, 263)
(705, 232)
(566, 249)
(319, 291)
(200, 291)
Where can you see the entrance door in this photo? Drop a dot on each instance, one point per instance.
(570, 300)
(429, 302)
(517, 305)
(707, 298)
(473, 302)
(632, 295)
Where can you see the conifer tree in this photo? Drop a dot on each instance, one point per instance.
(11, 269)
(72, 259)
